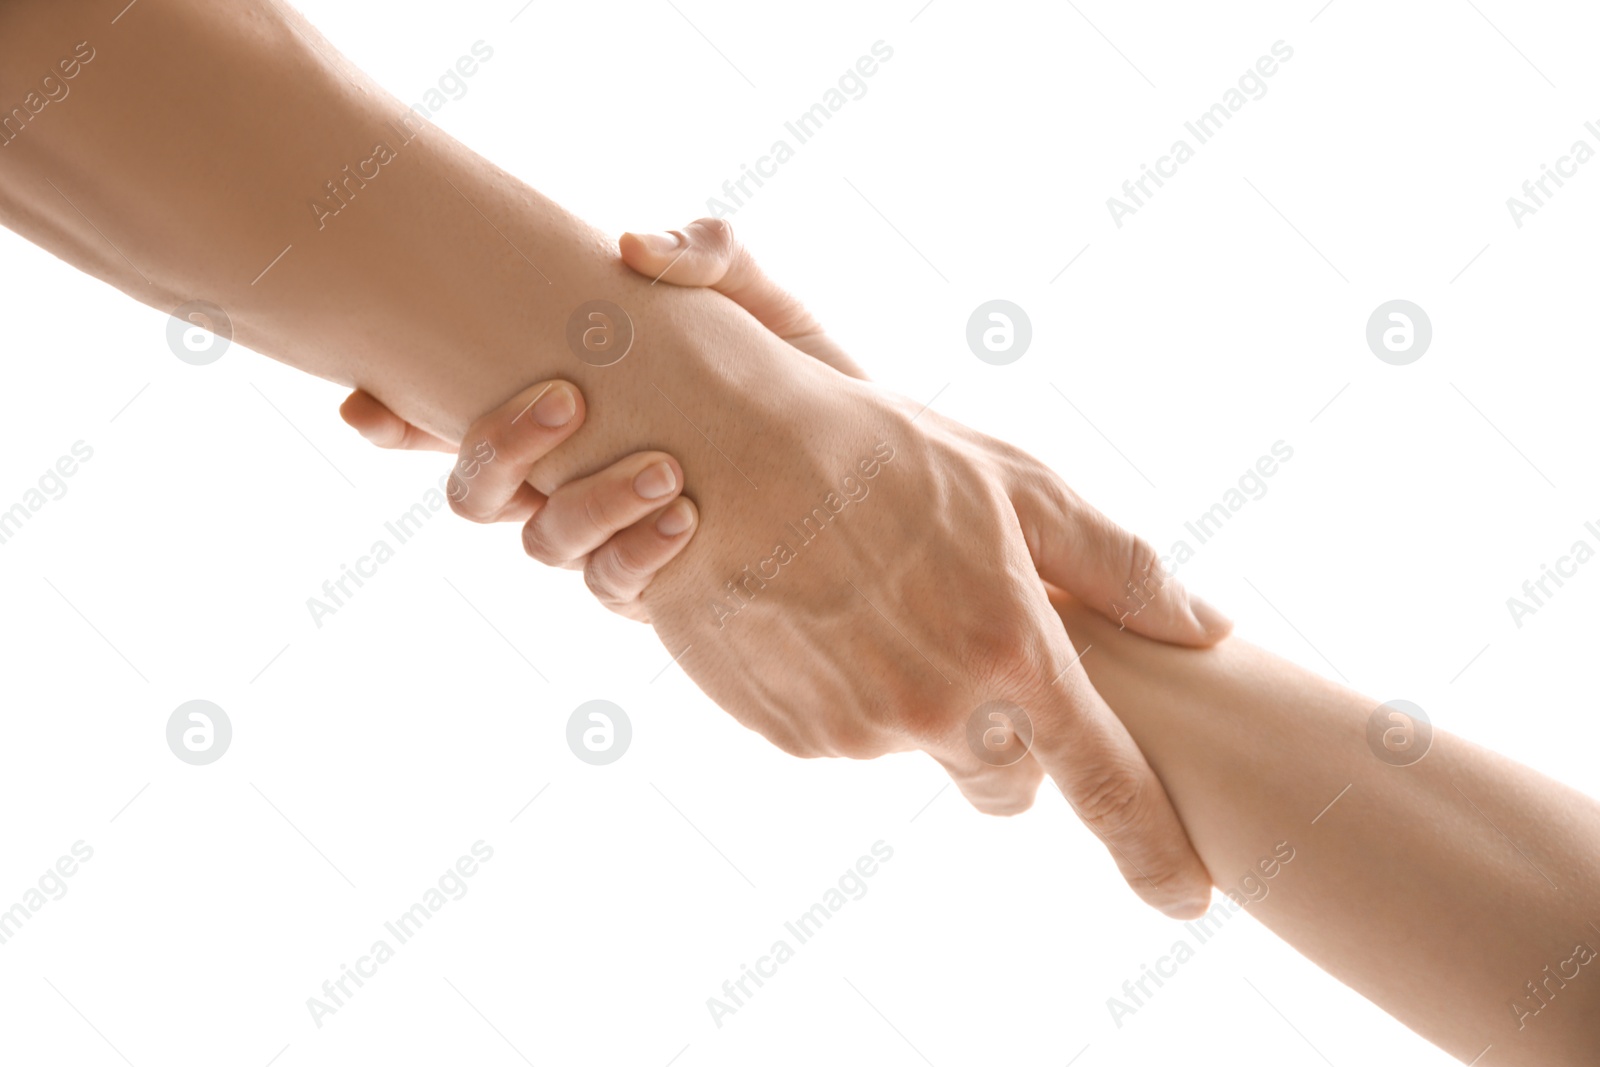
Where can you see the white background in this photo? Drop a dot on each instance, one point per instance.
(422, 718)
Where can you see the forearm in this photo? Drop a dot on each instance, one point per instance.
(197, 147)
(1437, 890)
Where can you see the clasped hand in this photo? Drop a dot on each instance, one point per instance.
(917, 620)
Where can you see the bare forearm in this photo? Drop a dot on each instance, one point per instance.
(223, 152)
(1438, 890)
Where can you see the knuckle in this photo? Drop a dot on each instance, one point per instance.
(1025, 467)
(923, 724)
(1145, 573)
(993, 792)
(1005, 657)
(463, 501)
(468, 466)
(924, 716)
(1050, 490)
(791, 318)
(866, 731)
(490, 432)
(617, 573)
(602, 584)
(1165, 884)
(854, 741)
(600, 511)
(626, 562)
(1004, 807)
(509, 452)
(1112, 804)
(716, 236)
(536, 542)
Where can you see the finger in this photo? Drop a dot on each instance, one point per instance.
(1083, 746)
(367, 415)
(991, 788)
(1078, 549)
(583, 514)
(487, 483)
(619, 571)
(705, 254)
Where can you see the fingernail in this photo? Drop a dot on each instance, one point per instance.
(678, 517)
(656, 480)
(661, 243)
(556, 407)
(1215, 623)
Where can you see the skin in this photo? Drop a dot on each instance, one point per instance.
(1486, 895)
(1424, 888)
(618, 569)
(1437, 889)
(619, 526)
(184, 165)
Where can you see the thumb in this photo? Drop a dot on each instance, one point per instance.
(1078, 549)
(1080, 742)
(706, 254)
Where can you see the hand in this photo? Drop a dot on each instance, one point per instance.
(892, 599)
(619, 526)
(703, 254)
(923, 622)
